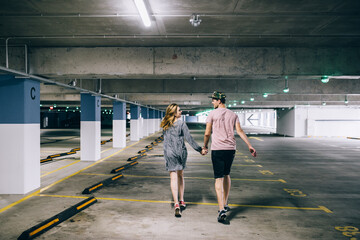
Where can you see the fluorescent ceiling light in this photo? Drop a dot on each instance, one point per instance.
(324, 79)
(143, 12)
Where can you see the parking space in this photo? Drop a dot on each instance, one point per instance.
(303, 188)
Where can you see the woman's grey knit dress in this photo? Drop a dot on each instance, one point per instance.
(175, 152)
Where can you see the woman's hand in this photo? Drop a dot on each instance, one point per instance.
(204, 151)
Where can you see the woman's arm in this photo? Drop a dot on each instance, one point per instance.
(189, 138)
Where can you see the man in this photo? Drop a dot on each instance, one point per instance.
(221, 122)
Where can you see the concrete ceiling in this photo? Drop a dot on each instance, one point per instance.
(229, 23)
(313, 24)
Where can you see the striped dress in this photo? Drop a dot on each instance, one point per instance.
(175, 152)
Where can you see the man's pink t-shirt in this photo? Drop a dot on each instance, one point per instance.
(223, 123)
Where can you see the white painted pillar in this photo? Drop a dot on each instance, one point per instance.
(90, 127)
(145, 116)
(151, 121)
(157, 124)
(134, 123)
(19, 135)
(119, 124)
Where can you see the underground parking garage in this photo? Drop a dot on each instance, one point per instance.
(84, 87)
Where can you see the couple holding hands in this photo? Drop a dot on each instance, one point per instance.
(220, 123)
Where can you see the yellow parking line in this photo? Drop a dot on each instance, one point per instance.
(203, 164)
(259, 139)
(60, 168)
(19, 201)
(107, 149)
(319, 208)
(53, 184)
(202, 178)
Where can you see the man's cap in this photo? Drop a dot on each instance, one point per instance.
(218, 95)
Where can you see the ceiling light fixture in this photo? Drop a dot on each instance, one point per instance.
(242, 102)
(252, 99)
(286, 88)
(265, 95)
(143, 12)
(324, 79)
(195, 20)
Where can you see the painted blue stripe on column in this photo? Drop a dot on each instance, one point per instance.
(134, 111)
(119, 109)
(90, 107)
(19, 100)
(145, 112)
(151, 113)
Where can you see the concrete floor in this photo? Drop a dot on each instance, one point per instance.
(297, 188)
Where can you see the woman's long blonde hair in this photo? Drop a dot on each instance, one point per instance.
(169, 118)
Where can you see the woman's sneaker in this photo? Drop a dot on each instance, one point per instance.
(182, 205)
(227, 208)
(177, 210)
(222, 216)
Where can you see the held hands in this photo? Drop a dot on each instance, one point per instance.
(252, 151)
(204, 151)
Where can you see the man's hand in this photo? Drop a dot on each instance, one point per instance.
(252, 151)
(204, 151)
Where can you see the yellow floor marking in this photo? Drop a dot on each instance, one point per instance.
(259, 139)
(319, 208)
(99, 161)
(202, 164)
(107, 149)
(203, 178)
(60, 168)
(19, 201)
(44, 151)
(53, 184)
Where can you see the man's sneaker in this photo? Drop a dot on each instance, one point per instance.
(182, 205)
(222, 216)
(227, 208)
(177, 210)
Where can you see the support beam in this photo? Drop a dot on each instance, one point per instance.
(134, 123)
(145, 116)
(19, 135)
(90, 127)
(119, 124)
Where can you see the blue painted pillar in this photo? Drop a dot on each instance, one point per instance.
(157, 122)
(90, 127)
(119, 124)
(19, 135)
(151, 121)
(145, 125)
(134, 122)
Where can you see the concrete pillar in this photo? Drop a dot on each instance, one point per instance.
(156, 122)
(119, 124)
(134, 122)
(90, 127)
(19, 135)
(145, 116)
(151, 121)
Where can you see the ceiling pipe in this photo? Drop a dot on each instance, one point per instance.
(41, 79)
(7, 52)
(243, 14)
(188, 36)
(26, 58)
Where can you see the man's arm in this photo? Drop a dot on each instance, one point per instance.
(245, 139)
(207, 135)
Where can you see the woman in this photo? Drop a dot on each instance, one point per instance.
(175, 153)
